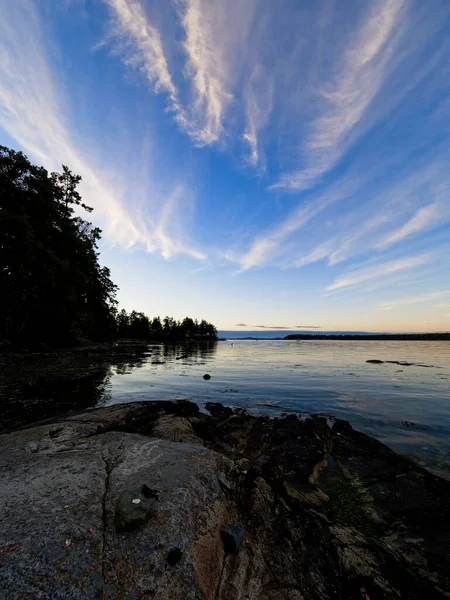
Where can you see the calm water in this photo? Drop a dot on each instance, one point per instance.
(407, 407)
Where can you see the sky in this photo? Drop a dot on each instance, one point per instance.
(250, 162)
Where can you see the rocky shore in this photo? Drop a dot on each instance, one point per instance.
(159, 501)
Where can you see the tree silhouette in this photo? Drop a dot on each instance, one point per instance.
(136, 325)
(53, 290)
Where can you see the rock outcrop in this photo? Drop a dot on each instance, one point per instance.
(229, 507)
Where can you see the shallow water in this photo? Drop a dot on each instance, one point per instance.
(407, 407)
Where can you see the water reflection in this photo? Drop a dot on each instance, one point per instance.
(182, 352)
(48, 386)
(407, 408)
(52, 386)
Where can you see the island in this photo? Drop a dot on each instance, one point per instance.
(406, 337)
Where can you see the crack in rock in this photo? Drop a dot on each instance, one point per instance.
(111, 462)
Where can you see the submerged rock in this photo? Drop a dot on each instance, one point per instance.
(327, 513)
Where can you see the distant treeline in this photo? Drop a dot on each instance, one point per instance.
(53, 290)
(407, 337)
(136, 325)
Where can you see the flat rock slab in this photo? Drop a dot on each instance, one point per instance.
(237, 507)
(57, 531)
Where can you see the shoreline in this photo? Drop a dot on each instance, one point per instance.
(402, 337)
(245, 506)
(48, 385)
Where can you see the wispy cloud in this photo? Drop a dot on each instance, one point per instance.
(270, 327)
(34, 114)
(141, 44)
(216, 43)
(258, 97)
(423, 298)
(351, 118)
(368, 273)
(214, 35)
(206, 69)
(370, 75)
(280, 326)
(264, 247)
(269, 244)
(320, 252)
(167, 229)
(357, 76)
(358, 227)
(424, 218)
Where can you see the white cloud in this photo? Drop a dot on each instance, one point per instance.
(340, 247)
(167, 230)
(342, 106)
(268, 245)
(32, 113)
(250, 137)
(249, 73)
(258, 96)
(215, 34)
(424, 218)
(265, 247)
(142, 46)
(368, 273)
(368, 209)
(357, 77)
(318, 253)
(424, 298)
(216, 43)
(206, 70)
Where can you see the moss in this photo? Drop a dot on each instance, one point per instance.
(351, 504)
(416, 476)
(313, 497)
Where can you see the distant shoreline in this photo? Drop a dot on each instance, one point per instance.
(407, 337)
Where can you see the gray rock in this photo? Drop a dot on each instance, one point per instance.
(224, 481)
(134, 506)
(57, 513)
(367, 520)
(33, 447)
(55, 431)
(175, 429)
(243, 465)
(233, 537)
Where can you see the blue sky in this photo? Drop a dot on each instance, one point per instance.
(249, 161)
